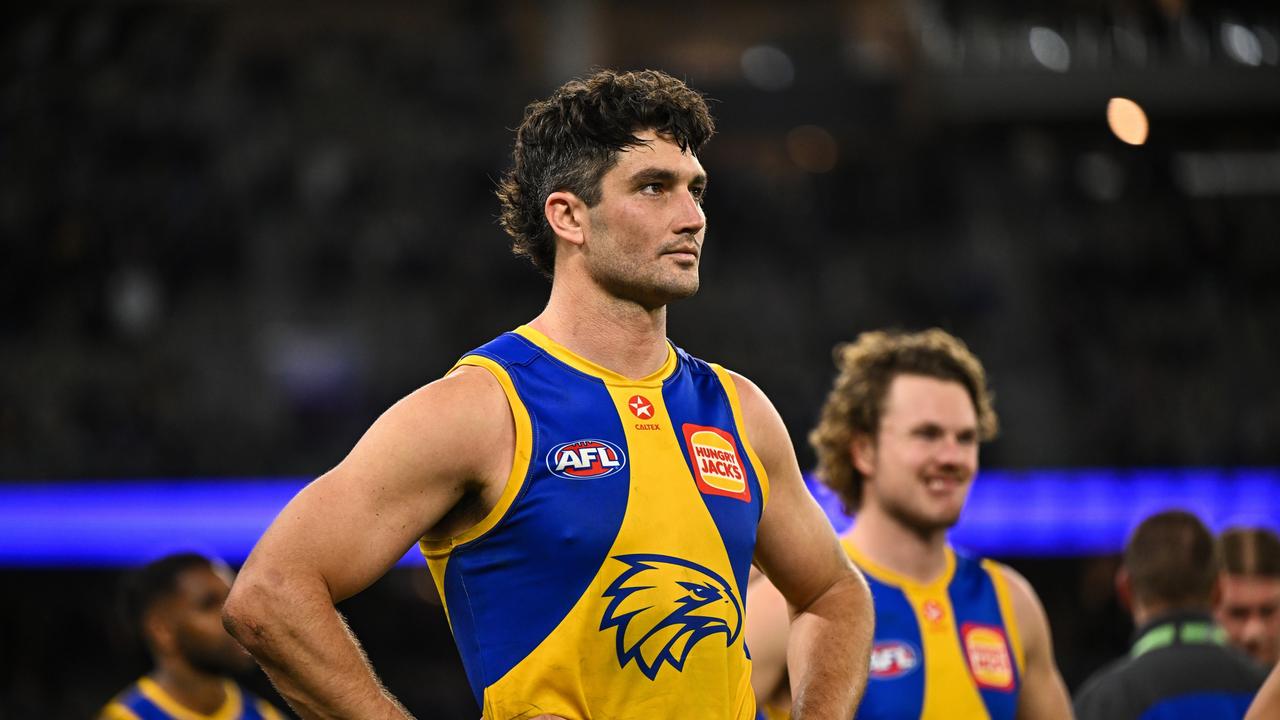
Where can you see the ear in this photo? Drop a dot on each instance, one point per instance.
(1124, 588)
(567, 216)
(156, 627)
(862, 450)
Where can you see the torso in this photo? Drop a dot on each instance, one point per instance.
(944, 649)
(607, 581)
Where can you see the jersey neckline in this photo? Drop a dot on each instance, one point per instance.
(600, 372)
(893, 577)
(151, 690)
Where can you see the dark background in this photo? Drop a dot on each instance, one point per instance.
(232, 233)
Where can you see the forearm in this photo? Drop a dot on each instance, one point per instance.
(296, 634)
(830, 649)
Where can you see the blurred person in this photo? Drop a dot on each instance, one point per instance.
(175, 604)
(955, 636)
(1249, 604)
(1180, 665)
(589, 498)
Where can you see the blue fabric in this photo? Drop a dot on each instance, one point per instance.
(896, 693)
(504, 598)
(1199, 706)
(694, 394)
(974, 600)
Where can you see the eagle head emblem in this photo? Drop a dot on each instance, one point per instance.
(661, 606)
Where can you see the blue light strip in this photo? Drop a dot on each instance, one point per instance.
(1023, 513)
(1065, 513)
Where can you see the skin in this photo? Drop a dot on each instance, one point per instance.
(193, 652)
(428, 465)
(1249, 610)
(1266, 704)
(919, 468)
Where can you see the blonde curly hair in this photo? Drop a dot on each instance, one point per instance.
(855, 404)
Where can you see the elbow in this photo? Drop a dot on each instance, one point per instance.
(248, 612)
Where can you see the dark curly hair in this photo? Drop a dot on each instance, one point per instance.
(856, 401)
(571, 139)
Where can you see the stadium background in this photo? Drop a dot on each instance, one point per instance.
(232, 233)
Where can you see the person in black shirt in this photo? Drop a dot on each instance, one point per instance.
(1180, 665)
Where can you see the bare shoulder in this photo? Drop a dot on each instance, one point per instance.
(764, 425)
(1027, 608)
(454, 424)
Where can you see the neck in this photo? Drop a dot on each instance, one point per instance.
(617, 334)
(191, 688)
(887, 542)
(1146, 612)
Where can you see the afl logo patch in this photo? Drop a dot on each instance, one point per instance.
(585, 459)
(891, 659)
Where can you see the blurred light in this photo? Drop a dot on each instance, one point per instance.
(1065, 513)
(1241, 44)
(124, 523)
(768, 68)
(1127, 120)
(812, 149)
(134, 299)
(1041, 512)
(1100, 177)
(1050, 49)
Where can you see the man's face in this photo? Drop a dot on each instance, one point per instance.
(922, 462)
(193, 614)
(644, 237)
(1250, 612)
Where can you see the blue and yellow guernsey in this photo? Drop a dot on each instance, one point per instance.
(944, 649)
(608, 581)
(146, 700)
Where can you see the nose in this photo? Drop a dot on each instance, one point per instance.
(955, 454)
(690, 219)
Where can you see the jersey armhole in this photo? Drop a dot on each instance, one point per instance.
(437, 550)
(1005, 600)
(731, 392)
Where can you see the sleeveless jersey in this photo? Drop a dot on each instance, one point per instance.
(945, 649)
(145, 700)
(608, 581)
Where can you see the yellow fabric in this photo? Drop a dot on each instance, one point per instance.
(1006, 610)
(949, 690)
(230, 709)
(576, 667)
(731, 390)
(436, 552)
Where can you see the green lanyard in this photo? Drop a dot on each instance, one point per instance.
(1195, 632)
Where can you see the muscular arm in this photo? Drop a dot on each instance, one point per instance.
(832, 623)
(1266, 704)
(1043, 693)
(349, 527)
(767, 628)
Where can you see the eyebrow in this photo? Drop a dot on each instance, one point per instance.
(653, 174)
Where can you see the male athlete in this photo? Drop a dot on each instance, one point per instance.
(955, 637)
(589, 497)
(176, 605)
(1248, 605)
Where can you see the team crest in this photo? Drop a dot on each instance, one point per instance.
(892, 659)
(585, 459)
(661, 606)
(988, 654)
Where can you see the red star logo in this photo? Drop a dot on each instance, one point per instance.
(933, 611)
(640, 407)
